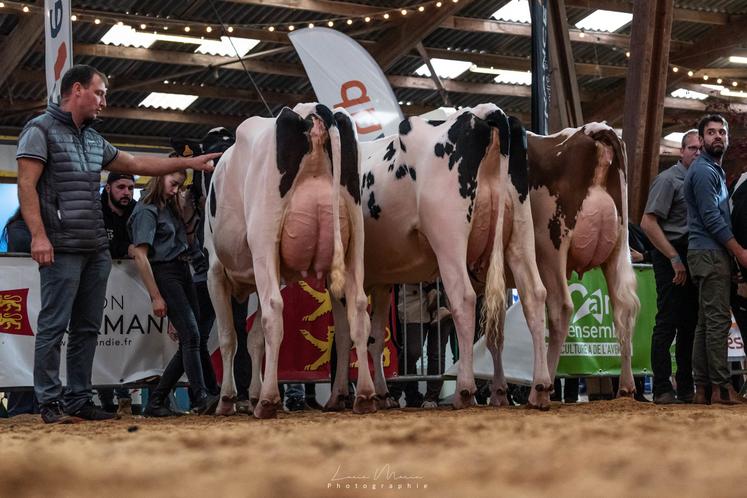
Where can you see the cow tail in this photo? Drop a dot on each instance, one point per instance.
(494, 306)
(337, 275)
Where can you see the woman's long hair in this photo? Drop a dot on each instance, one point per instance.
(156, 194)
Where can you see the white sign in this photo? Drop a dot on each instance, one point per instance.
(344, 74)
(133, 344)
(58, 46)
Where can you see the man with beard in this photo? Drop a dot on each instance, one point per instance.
(117, 204)
(665, 223)
(710, 244)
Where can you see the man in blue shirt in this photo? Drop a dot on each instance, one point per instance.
(710, 244)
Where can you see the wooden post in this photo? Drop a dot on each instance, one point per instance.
(644, 97)
(565, 103)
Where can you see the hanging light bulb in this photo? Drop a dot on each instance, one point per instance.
(165, 28)
(229, 29)
(311, 25)
(291, 27)
(209, 29)
(438, 4)
(421, 8)
(349, 21)
(675, 69)
(25, 9)
(386, 16)
(186, 29)
(705, 77)
(271, 29)
(73, 17)
(120, 23)
(404, 12)
(97, 21)
(690, 74)
(734, 83)
(330, 24)
(719, 81)
(367, 19)
(143, 26)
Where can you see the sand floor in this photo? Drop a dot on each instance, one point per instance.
(606, 448)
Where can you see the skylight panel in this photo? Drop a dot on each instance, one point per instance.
(224, 47)
(726, 92)
(513, 77)
(604, 20)
(675, 136)
(514, 11)
(736, 59)
(444, 68)
(127, 36)
(175, 101)
(684, 93)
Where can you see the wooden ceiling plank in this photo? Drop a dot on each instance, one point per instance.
(17, 45)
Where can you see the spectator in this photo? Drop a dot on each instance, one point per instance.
(160, 251)
(18, 238)
(710, 243)
(665, 223)
(60, 158)
(117, 203)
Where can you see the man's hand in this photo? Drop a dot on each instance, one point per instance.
(159, 307)
(41, 250)
(680, 272)
(204, 162)
(741, 256)
(635, 256)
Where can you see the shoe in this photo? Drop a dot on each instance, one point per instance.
(429, 405)
(730, 398)
(686, 397)
(313, 405)
(125, 407)
(51, 413)
(666, 398)
(295, 404)
(206, 405)
(89, 411)
(700, 397)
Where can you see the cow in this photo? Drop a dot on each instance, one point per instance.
(447, 199)
(284, 205)
(578, 194)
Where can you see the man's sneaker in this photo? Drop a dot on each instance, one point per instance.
(295, 404)
(89, 411)
(429, 405)
(666, 398)
(51, 413)
(125, 407)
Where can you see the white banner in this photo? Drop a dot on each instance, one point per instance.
(133, 344)
(58, 46)
(344, 74)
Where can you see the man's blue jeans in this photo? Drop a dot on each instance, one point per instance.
(73, 292)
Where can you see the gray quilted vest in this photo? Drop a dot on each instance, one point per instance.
(69, 185)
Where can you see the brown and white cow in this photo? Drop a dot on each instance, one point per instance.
(578, 192)
(436, 199)
(284, 204)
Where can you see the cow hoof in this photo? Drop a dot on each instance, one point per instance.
(266, 409)
(624, 393)
(336, 403)
(539, 398)
(464, 399)
(499, 398)
(226, 406)
(244, 406)
(364, 404)
(385, 402)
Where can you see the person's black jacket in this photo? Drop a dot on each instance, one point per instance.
(637, 240)
(739, 217)
(116, 227)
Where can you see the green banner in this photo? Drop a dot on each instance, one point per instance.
(592, 348)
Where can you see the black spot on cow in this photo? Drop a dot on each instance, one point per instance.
(213, 202)
(391, 167)
(471, 138)
(390, 151)
(401, 171)
(349, 156)
(326, 115)
(439, 150)
(402, 145)
(436, 122)
(448, 149)
(405, 126)
(185, 147)
(292, 143)
(517, 161)
(373, 208)
(368, 180)
(412, 173)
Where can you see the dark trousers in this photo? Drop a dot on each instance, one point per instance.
(677, 316)
(175, 284)
(242, 369)
(436, 351)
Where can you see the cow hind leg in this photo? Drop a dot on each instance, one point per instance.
(499, 387)
(256, 345)
(220, 295)
(380, 299)
(271, 304)
(621, 282)
(360, 327)
(559, 309)
(340, 392)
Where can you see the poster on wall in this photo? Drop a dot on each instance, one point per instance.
(58, 44)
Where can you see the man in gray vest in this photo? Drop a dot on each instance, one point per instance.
(665, 224)
(60, 158)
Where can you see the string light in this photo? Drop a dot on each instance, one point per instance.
(271, 29)
(719, 81)
(627, 54)
(229, 29)
(438, 4)
(690, 74)
(330, 24)
(120, 23)
(2, 4)
(734, 83)
(186, 29)
(421, 8)
(25, 9)
(291, 27)
(386, 16)
(165, 28)
(349, 21)
(73, 17)
(367, 19)
(705, 77)
(209, 29)
(675, 69)
(97, 21)
(311, 25)
(143, 26)
(404, 12)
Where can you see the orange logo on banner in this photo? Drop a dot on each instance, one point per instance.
(13, 316)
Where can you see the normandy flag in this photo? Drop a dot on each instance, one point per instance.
(14, 317)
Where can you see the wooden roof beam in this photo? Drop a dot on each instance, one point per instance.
(16, 46)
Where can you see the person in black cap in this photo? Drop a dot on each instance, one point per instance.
(117, 203)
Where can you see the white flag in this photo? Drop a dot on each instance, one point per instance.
(58, 53)
(344, 74)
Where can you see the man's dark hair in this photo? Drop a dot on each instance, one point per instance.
(80, 73)
(711, 118)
